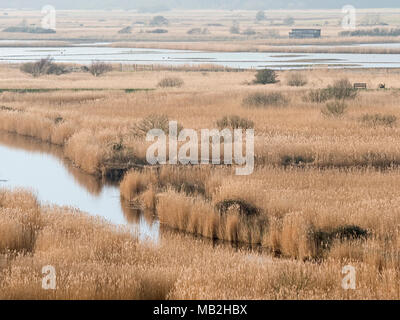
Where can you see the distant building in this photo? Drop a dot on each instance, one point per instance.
(305, 33)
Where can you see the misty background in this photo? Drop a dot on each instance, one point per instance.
(164, 5)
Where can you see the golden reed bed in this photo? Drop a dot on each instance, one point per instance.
(350, 180)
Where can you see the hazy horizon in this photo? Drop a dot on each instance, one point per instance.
(159, 5)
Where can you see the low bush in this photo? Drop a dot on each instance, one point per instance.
(298, 160)
(153, 121)
(170, 82)
(159, 21)
(317, 96)
(157, 31)
(234, 30)
(249, 32)
(98, 68)
(296, 79)
(126, 30)
(342, 89)
(324, 238)
(44, 66)
(379, 120)
(334, 109)
(262, 99)
(234, 122)
(265, 76)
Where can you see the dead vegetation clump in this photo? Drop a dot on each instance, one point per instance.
(334, 109)
(296, 79)
(341, 90)
(266, 76)
(45, 66)
(153, 121)
(98, 68)
(317, 96)
(235, 122)
(170, 82)
(265, 99)
(378, 119)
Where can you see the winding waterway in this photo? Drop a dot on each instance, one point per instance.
(40, 167)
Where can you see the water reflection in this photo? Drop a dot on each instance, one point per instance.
(41, 167)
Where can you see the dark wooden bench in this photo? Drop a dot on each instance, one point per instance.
(360, 85)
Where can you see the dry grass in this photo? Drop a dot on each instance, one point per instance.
(317, 180)
(296, 213)
(296, 79)
(94, 260)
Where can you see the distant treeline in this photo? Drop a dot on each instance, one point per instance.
(377, 32)
(25, 29)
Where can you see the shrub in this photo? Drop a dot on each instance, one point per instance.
(58, 120)
(170, 82)
(4, 108)
(42, 67)
(297, 160)
(265, 76)
(198, 31)
(234, 30)
(194, 31)
(317, 96)
(342, 89)
(260, 16)
(97, 68)
(261, 99)
(288, 21)
(153, 121)
(379, 119)
(334, 109)
(296, 79)
(57, 69)
(235, 122)
(324, 238)
(249, 32)
(126, 30)
(157, 31)
(159, 21)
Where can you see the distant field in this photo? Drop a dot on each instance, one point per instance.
(214, 25)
